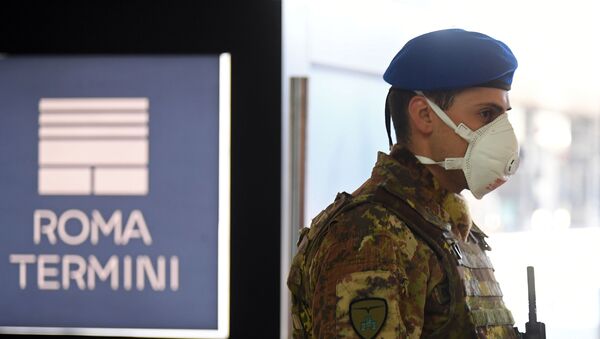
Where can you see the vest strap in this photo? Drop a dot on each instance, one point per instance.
(435, 237)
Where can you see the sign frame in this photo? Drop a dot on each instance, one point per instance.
(224, 235)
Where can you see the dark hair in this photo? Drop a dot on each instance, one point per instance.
(397, 103)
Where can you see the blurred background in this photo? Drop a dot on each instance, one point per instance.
(547, 214)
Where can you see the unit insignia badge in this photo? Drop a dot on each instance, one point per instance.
(367, 316)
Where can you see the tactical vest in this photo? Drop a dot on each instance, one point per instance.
(476, 309)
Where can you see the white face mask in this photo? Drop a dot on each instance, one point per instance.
(491, 157)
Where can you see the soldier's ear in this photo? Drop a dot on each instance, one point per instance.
(420, 115)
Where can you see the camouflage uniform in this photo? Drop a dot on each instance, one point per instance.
(405, 250)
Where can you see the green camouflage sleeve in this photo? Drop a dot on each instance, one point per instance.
(371, 276)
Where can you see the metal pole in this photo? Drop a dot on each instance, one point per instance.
(298, 119)
(294, 170)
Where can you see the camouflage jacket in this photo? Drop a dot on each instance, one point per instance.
(361, 271)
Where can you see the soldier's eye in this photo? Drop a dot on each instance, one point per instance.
(488, 115)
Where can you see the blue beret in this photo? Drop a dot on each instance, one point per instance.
(452, 59)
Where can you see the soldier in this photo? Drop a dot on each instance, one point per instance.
(400, 256)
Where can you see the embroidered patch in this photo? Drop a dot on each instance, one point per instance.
(367, 316)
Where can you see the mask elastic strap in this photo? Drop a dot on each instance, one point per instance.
(448, 163)
(462, 130)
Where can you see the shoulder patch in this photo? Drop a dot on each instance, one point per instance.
(367, 316)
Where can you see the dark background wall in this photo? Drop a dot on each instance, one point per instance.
(251, 32)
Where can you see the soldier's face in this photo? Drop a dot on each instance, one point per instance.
(474, 107)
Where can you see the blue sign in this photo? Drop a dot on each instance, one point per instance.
(114, 195)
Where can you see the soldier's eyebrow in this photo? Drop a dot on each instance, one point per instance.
(495, 106)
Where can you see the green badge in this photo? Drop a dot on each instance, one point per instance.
(367, 316)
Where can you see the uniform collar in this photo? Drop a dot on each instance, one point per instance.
(405, 177)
